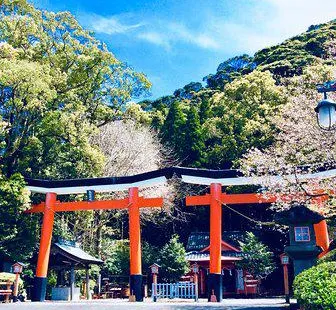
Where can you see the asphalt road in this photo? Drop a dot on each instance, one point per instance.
(227, 304)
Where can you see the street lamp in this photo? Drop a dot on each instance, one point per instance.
(326, 109)
(154, 270)
(195, 270)
(285, 262)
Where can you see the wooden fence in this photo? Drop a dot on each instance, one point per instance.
(185, 290)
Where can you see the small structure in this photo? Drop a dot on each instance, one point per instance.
(285, 262)
(65, 256)
(233, 279)
(154, 271)
(303, 248)
(17, 269)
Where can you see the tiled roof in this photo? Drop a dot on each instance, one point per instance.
(199, 257)
(75, 253)
(197, 241)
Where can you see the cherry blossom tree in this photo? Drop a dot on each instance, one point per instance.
(300, 146)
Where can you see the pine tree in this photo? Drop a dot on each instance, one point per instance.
(204, 110)
(172, 131)
(194, 141)
(172, 260)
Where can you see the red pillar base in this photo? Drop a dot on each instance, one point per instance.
(215, 286)
(136, 286)
(39, 289)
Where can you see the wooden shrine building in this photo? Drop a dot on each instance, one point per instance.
(65, 258)
(233, 278)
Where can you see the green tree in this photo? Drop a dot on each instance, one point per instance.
(242, 118)
(17, 230)
(229, 70)
(57, 84)
(257, 259)
(172, 261)
(194, 141)
(117, 261)
(204, 109)
(173, 129)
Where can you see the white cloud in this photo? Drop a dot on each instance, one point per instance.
(168, 33)
(265, 23)
(111, 25)
(293, 16)
(155, 38)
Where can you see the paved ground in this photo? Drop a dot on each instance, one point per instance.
(227, 304)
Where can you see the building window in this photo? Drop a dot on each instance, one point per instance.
(302, 234)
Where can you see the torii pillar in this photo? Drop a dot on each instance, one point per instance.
(40, 280)
(135, 245)
(214, 200)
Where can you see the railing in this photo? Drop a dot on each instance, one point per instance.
(186, 290)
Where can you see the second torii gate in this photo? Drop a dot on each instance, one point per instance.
(133, 203)
(215, 200)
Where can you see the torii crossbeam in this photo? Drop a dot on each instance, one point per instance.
(133, 203)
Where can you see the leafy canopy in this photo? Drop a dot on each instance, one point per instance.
(57, 84)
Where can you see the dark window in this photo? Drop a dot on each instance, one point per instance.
(302, 234)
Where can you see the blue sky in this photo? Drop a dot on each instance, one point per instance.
(176, 42)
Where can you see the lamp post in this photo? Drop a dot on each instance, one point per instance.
(285, 262)
(154, 270)
(326, 109)
(195, 270)
(17, 269)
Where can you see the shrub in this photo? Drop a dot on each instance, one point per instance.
(315, 288)
(329, 257)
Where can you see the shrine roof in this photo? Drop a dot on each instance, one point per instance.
(204, 257)
(298, 214)
(200, 241)
(71, 253)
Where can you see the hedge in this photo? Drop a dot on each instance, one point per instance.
(315, 288)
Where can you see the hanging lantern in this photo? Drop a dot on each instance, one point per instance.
(326, 114)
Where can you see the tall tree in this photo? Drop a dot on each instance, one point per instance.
(57, 84)
(243, 114)
(172, 131)
(298, 141)
(194, 141)
(257, 257)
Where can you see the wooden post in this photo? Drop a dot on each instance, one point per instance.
(135, 245)
(87, 283)
(215, 275)
(16, 287)
(40, 281)
(196, 286)
(8, 287)
(99, 284)
(72, 282)
(285, 270)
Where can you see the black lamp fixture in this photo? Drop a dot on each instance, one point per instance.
(326, 109)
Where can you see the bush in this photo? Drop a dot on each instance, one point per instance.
(315, 288)
(329, 257)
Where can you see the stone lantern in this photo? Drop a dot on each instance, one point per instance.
(302, 248)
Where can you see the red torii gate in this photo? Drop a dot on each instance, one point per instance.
(215, 200)
(133, 203)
